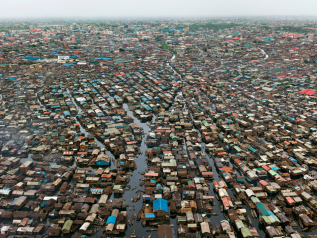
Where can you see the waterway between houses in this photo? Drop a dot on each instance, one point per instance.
(135, 177)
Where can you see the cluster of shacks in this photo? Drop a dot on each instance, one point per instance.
(188, 129)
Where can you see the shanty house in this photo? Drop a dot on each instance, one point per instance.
(160, 207)
(103, 160)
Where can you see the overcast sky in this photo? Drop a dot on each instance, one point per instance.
(154, 8)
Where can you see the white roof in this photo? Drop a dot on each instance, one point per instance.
(81, 99)
(46, 198)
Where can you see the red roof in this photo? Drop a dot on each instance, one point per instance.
(266, 168)
(264, 183)
(151, 174)
(290, 200)
(308, 91)
(106, 176)
(226, 201)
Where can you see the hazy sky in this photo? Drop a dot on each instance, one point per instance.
(154, 8)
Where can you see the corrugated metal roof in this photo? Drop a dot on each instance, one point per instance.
(160, 204)
(149, 215)
(111, 219)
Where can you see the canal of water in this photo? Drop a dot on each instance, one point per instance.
(135, 177)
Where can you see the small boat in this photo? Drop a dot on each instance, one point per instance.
(250, 222)
(133, 234)
(150, 235)
(140, 214)
(301, 224)
(141, 182)
(138, 195)
(218, 229)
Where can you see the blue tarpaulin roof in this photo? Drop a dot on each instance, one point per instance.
(292, 159)
(149, 215)
(31, 58)
(160, 204)
(13, 201)
(111, 219)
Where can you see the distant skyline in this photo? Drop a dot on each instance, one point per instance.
(154, 8)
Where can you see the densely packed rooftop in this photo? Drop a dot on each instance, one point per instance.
(158, 128)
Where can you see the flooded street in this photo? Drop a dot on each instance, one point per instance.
(141, 166)
(189, 128)
(266, 55)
